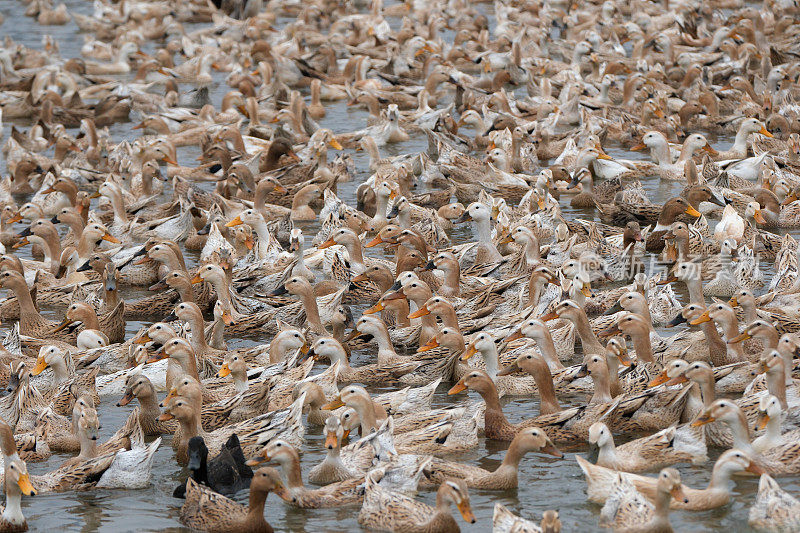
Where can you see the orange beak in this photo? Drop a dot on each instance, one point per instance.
(552, 315)
(458, 387)
(330, 242)
(224, 371)
(659, 379)
(235, 222)
(422, 311)
(197, 279)
(469, 352)
(739, 338)
(430, 345)
(759, 217)
(374, 309)
(763, 131)
(375, 242)
(41, 364)
(710, 150)
(279, 189)
(110, 238)
(514, 336)
(331, 441)
(692, 212)
(705, 317)
(640, 146)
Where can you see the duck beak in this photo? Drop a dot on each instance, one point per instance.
(514, 336)
(552, 315)
(430, 345)
(331, 441)
(464, 218)
(510, 369)
(41, 364)
(678, 494)
(702, 420)
(613, 330)
(94, 195)
(470, 351)
(676, 321)
(24, 483)
(789, 199)
(396, 295)
(375, 242)
(458, 387)
(249, 242)
(110, 238)
(753, 468)
(125, 399)
(669, 279)
(48, 190)
(64, 323)
(197, 279)
(235, 222)
(761, 421)
(659, 379)
(165, 417)
(279, 189)
(466, 511)
(360, 277)
(224, 371)
(586, 290)
(677, 380)
(733, 302)
(333, 143)
(759, 217)
(142, 260)
(765, 132)
(551, 449)
(705, 317)
(640, 146)
(352, 335)
(158, 356)
(334, 404)
(583, 371)
(16, 218)
(422, 311)
(710, 150)
(692, 212)
(739, 338)
(22, 242)
(330, 242)
(144, 339)
(259, 459)
(375, 308)
(604, 156)
(168, 160)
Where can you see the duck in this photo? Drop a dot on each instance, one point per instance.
(774, 509)
(226, 473)
(626, 510)
(505, 477)
(207, 510)
(407, 514)
(331, 469)
(297, 495)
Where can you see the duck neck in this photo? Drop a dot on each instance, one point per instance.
(381, 202)
(776, 385)
(514, 455)
(356, 256)
(118, 206)
(255, 512)
(198, 337)
(644, 350)
(740, 142)
(548, 349)
(602, 387)
(588, 339)
(312, 311)
(491, 358)
(240, 381)
(750, 313)
(741, 434)
(708, 391)
(294, 478)
(148, 404)
(366, 413)
(544, 383)
(607, 453)
(532, 252)
(60, 371)
(88, 447)
(452, 279)
(13, 510)
(190, 427)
